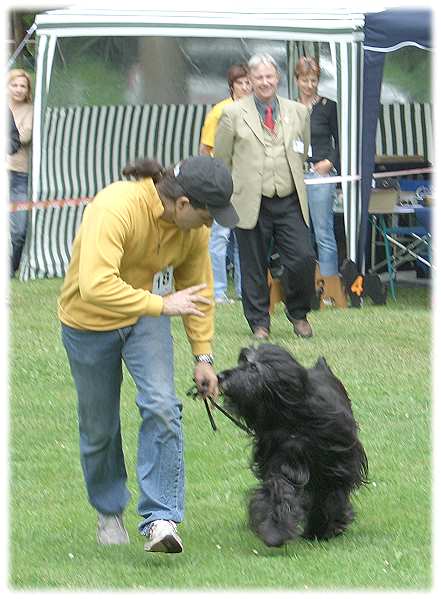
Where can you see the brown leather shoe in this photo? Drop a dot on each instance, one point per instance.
(261, 333)
(302, 328)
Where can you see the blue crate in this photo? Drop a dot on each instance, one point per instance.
(413, 184)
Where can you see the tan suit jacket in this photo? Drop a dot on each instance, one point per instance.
(240, 144)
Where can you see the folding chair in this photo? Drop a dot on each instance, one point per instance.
(401, 243)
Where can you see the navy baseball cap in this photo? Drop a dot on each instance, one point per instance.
(207, 183)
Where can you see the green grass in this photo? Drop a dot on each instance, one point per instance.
(383, 356)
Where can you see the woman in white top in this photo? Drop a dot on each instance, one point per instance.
(20, 102)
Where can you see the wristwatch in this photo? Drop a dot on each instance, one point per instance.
(206, 358)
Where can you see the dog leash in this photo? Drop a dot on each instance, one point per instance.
(194, 393)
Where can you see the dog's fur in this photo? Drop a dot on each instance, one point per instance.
(306, 451)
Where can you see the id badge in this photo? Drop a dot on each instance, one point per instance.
(163, 281)
(298, 146)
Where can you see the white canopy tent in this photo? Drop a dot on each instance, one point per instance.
(342, 29)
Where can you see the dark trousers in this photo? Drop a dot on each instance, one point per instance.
(18, 221)
(280, 225)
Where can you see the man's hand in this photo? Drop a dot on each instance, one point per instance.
(206, 380)
(184, 302)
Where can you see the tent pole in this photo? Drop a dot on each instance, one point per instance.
(22, 44)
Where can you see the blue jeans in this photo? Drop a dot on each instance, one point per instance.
(95, 360)
(321, 212)
(218, 252)
(18, 221)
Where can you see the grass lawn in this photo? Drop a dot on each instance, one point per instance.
(383, 356)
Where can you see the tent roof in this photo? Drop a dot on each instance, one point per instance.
(303, 24)
(394, 28)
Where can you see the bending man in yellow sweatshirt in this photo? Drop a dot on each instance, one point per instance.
(140, 257)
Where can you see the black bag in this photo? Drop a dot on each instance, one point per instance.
(14, 136)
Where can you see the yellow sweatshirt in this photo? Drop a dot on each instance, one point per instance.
(120, 245)
(208, 132)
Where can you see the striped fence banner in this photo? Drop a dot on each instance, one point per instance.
(405, 130)
(86, 148)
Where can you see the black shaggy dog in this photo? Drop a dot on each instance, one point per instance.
(306, 451)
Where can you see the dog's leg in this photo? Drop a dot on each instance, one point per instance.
(276, 511)
(330, 515)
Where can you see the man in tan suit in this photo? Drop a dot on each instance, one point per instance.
(263, 139)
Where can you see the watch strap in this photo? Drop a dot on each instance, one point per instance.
(205, 358)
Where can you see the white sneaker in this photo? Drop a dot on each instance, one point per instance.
(111, 530)
(162, 536)
(224, 299)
